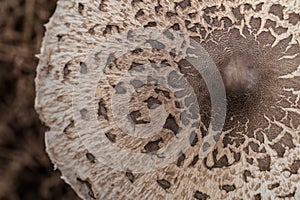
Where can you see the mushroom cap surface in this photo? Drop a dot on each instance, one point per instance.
(83, 79)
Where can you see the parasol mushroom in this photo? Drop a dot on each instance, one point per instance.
(84, 79)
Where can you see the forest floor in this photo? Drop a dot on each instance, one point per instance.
(25, 170)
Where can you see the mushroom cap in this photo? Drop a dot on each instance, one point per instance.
(121, 125)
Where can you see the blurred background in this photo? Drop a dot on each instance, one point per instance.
(25, 169)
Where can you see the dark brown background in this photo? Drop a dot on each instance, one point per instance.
(25, 169)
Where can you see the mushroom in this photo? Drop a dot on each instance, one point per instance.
(112, 114)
